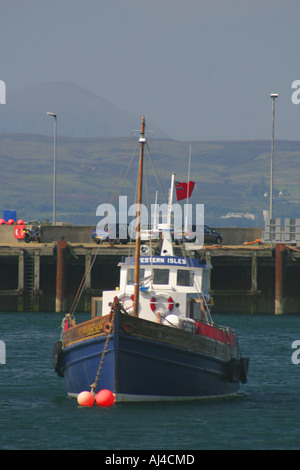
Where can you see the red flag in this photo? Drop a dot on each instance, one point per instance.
(184, 190)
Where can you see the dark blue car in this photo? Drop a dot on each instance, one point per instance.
(114, 234)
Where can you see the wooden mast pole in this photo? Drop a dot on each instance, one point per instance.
(142, 141)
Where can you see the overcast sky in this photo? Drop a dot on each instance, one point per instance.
(198, 69)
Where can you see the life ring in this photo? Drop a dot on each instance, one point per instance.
(154, 301)
(127, 303)
(153, 304)
(171, 304)
(19, 232)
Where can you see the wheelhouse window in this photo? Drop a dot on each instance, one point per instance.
(185, 278)
(130, 275)
(160, 276)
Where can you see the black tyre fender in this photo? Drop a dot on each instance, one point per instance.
(58, 358)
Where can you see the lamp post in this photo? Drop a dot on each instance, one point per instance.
(54, 169)
(273, 96)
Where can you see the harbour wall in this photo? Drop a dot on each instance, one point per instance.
(82, 234)
(46, 277)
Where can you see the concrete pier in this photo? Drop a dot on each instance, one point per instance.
(252, 280)
(46, 277)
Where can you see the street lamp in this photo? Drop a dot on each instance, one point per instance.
(273, 96)
(54, 169)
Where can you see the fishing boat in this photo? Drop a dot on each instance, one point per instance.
(155, 339)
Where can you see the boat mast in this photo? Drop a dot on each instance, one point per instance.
(142, 141)
(188, 190)
(167, 247)
(170, 203)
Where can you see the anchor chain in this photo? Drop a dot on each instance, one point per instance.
(115, 307)
(94, 385)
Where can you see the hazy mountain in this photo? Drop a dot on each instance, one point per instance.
(231, 177)
(80, 113)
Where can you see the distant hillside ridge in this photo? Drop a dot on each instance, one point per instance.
(80, 113)
(232, 177)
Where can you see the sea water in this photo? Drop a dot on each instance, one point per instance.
(35, 412)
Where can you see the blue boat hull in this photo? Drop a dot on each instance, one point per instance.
(141, 367)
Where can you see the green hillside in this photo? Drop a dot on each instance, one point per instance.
(231, 177)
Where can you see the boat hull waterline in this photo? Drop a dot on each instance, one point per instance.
(146, 362)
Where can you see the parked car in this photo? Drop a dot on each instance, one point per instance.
(116, 233)
(210, 235)
(148, 232)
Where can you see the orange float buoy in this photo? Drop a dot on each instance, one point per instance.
(105, 398)
(86, 399)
